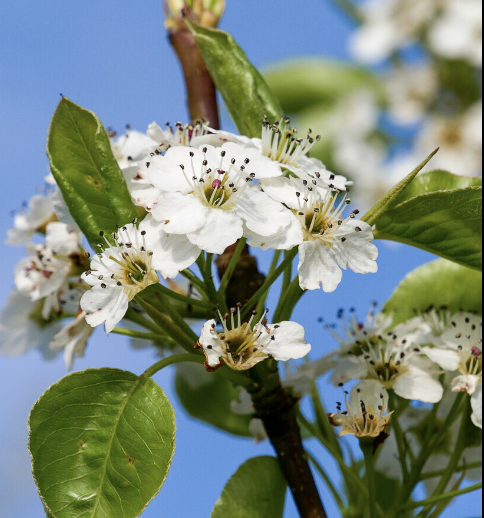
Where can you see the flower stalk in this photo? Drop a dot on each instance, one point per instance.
(201, 92)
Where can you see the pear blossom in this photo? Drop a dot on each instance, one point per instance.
(73, 339)
(281, 146)
(327, 241)
(457, 34)
(244, 406)
(461, 352)
(411, 91)
(397, 363)
(459, 139)
(241, 346)
(366, 413)
(22, 326)
(39, 212)
(476, 403)
(118, 273)
(45, 273)
(390, 25)
(202, 194)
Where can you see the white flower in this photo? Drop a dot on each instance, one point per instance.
(205, 196)
(462, 352)
(459, 139)
(281, 145)
(45, 273)
(243, 345)
(244, 406)
(476, 402)
(40, 211)
(118, 274)
(396, 363)
(130, 148)
(366, 412)
(73, 339)
(457, 34)
(411, 91)
(390, 25)
(327, 241)
(22, 326)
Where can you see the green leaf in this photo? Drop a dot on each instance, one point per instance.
(207, 397)
(101, 442)
(257, 490)
(371, 217)
(244, 90)
(301, 84)
(439, 283)
(86, 171)
(446, 223)
(437, 181)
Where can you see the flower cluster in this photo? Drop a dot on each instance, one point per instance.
(408, 359)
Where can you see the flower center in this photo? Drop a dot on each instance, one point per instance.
(279, 142)
(216, 186)
(183, 135)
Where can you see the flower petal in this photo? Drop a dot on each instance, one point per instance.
(418, 385)
(476, 403)
(181, 213)
(262, 166)
(172, 253)
(262, 214)
(318, 267)
(445, 358)
(290, 342)
(104, 306)
(222, 229)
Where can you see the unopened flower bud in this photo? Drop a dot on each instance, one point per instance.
(206, 13)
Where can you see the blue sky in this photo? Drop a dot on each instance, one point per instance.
(113, 58)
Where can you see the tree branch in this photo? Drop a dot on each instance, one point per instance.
(277, 409)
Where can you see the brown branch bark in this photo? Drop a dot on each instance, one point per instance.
(277, 409)
(201, 93)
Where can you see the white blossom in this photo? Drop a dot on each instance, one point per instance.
(39, 212)
(459, 139)
(476, 402)
(461, 352)
(205, 195)
(73, 339)
(118, 273)
(241, 346)
(281, 146)
(390, 25)
(244, 406)
(328, 242)
(366, 413)
(396, 362)
(22, 326)
(457, 34)
(45, 273)
(411, 91)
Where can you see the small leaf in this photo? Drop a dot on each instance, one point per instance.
(371, 217)
(101, 443)
(301, 84)
(257, 490)
(439, 283)
(436, 181)
(207, 397)
(86, 171)
(244, 90)
(445, 223)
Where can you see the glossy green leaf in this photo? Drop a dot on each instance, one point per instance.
(371, 217)
(304, 83)
(101, 442)
(257, 490)
(244, 90)
(446, 223)
(436, 181)
(207, 397)
(86, 171)
(439, 283)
